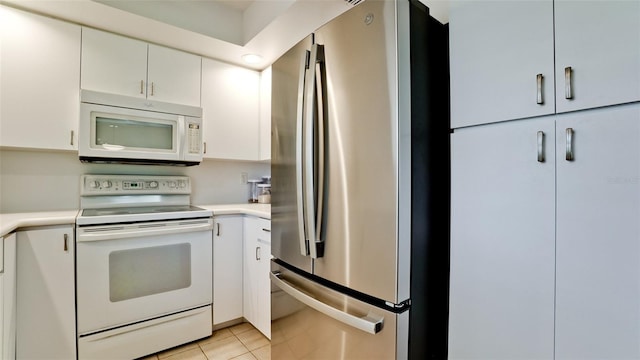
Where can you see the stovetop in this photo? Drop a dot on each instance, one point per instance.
(113, 199)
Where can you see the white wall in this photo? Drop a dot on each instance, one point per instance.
(45, 181)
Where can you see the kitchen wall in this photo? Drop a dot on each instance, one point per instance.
(46, 181)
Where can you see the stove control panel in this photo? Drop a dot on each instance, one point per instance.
(133, 184)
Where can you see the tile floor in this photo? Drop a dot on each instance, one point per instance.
(239, 342)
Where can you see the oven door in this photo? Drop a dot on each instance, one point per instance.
(128, 273)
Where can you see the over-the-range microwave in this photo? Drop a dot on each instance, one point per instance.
(128, 130)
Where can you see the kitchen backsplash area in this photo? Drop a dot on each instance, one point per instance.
(45, 181)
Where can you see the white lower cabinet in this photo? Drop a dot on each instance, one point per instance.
(545, 256)
(502, 242)
(257, 285)
(227, 269)
(8, 299)
(46, 322)
(598, 235)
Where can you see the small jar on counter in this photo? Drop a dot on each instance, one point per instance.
(264, 197)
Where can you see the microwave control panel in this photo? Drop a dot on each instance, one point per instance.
(132, 184)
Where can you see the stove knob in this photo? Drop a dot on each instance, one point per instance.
(172, 184)
(94, 184)
(153, 184)
(106, 184)
(182, 184)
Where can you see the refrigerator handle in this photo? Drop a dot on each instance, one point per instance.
(302, 235)
(370, 323)
(313, 153)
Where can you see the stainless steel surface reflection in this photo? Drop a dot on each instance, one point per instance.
(301, 332)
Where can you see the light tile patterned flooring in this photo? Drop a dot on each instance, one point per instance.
(239, 342)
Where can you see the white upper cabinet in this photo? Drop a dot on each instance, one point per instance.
(501, 57)
(231, 111)
(120, 65)
(39, 77)
(265, 114)
(600, 42)
(503, 53)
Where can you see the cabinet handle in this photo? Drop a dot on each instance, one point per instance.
(258, 253)
(72, 136)
(141, 86)
(540, 146)
(205, 147)
(267, 230)
(569, 153)
(66, 243)
(152, 89)
(568, 93)
(218, 229)
(540, 99)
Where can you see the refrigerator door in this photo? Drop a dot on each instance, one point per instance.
(363, 164)
(310, 321)
(287, 237)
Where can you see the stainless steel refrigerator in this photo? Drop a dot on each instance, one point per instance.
(360, 188)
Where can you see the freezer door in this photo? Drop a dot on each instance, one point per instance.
(287, 237)
(310, 321)
(365, 167)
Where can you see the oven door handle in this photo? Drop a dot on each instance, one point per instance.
(112, 232)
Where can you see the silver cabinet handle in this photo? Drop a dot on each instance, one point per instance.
(540, 99)
(568, 93)
(66, 243)
(218, 229)
(540, 146)
(205, 147)
(258, 253)
(141, 86)
(72, 136)
(152, 89)
(371, 323)
(569, 153)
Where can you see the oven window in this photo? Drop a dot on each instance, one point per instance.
(134, 134)
(146, 271)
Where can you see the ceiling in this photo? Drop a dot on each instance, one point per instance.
(220, 29)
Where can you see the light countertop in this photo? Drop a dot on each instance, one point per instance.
(13, 221)
(259, 210)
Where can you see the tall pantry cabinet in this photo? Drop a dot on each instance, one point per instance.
(545, 227)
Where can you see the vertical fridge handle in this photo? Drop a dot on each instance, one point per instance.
(302, 235)
(313, 149)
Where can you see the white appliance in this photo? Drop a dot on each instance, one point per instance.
(122, 129)
(143, 266)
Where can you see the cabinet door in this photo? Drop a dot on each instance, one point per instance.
(265, 114)
(174, 76)
(250, 282)
(257, 262)
(598, 235)
(263, 290)
(600, 41)
(46, 322)
(497, 49)
(9, 298)
(230, 105)
(502, 242)
(39, 76)
(227, 269)
(113, 64)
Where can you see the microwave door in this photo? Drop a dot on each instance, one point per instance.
(120, 133)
